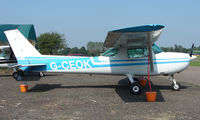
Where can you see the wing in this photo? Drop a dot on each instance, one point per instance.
(133, 37)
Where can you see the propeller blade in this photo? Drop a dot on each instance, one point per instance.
(191, 52)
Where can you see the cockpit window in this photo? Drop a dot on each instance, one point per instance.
(111, 52)
(4, 53)
(156, 49)
(133, 52)
(142, 52)
(137, 52)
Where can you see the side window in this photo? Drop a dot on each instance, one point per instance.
(137, 52)
(5, 53)
(111, 52)
(156, 49)
(2, 53)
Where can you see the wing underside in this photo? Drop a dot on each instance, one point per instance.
(133, 37)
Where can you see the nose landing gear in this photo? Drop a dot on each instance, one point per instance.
(175, 85)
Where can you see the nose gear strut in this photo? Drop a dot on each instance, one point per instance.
(175, 85)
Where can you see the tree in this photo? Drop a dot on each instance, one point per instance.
(83, 51)
(176, 48)
(51, 43)
(167, 49)
(74, 50)
(95, 48)
(65, 51)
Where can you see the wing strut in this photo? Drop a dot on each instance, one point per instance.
(149, 47)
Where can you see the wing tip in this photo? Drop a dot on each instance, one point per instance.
(141, 28)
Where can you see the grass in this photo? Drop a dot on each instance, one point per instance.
(195, 62)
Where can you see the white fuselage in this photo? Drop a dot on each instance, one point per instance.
(165, 63)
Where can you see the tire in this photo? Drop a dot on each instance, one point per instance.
(176, 87)
(136, 79)
(135, 88)
(21, 73)
(15, 75)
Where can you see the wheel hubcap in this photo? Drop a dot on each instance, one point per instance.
(15, 75)
(176, 87)
(135, 88)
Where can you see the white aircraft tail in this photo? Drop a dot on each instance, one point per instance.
(20, 45)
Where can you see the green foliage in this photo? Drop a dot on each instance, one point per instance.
(195, 62)
(95, 48)
(74, 50)
(51, 43)
(179, 48)
(83, 51)
(196, 51)
(65, 51)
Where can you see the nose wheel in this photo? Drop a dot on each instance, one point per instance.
(175, 85)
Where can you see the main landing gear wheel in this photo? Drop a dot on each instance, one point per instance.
(17, 75)
(135, 88)
(176, 87)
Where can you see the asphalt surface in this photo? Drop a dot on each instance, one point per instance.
(99, 97)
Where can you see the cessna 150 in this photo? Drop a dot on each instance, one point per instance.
(131, 49)
(7, 58)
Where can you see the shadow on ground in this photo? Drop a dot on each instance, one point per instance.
(122, 89)
(5, 75)
(31, 76)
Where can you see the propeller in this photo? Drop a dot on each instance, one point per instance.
(191, 52)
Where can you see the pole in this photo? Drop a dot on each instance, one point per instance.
(148, 74)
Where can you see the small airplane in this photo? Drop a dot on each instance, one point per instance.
(7, 58)
(133, 51)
